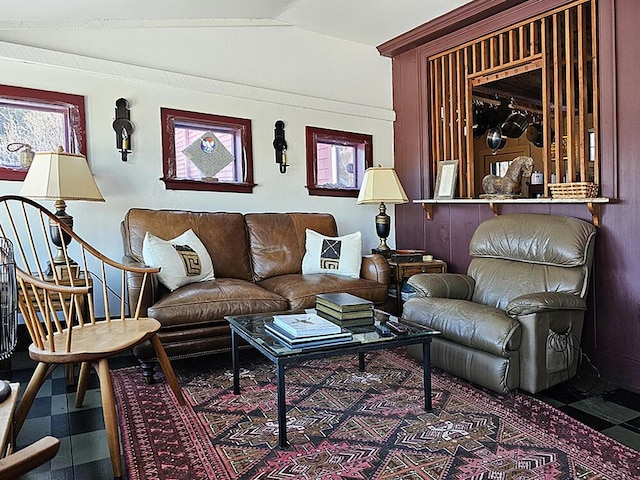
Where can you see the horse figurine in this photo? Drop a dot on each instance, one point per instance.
(511, 184)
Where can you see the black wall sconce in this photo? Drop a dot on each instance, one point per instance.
(280, 145)
(123, 128)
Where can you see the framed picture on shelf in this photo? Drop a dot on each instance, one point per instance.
(446, 179)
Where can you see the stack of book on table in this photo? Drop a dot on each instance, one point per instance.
(306, 330)
(345, 309)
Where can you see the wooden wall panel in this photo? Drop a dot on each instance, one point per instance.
(612, 329)
(617, 276)
(407, 144)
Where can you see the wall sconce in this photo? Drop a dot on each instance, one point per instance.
(123, 128)
(26, 154)
(280, 145)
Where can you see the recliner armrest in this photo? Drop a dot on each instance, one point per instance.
(443, 285)
(544, 301)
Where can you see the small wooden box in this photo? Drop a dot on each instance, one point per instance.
(63, 272)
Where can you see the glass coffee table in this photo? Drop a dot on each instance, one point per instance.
(365, 339)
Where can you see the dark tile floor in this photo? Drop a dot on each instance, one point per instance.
(83, 453)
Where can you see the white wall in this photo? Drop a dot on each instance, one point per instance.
(280, 73)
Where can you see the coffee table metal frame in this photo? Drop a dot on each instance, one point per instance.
(251, 329)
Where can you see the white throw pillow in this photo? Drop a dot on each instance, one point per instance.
(182, 260)
(336, 255)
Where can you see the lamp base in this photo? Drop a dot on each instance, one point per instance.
(60, 238)
(383, 227)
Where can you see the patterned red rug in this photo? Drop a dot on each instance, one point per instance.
(345, 424)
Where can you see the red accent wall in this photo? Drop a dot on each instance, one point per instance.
(611, 336)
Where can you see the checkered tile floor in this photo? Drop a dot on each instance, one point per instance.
(84, 455)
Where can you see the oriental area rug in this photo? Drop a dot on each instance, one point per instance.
(346, 424)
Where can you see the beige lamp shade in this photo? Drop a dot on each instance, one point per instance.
(381, 184)
(60, 176)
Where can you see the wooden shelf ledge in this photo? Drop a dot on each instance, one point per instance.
(593, 204)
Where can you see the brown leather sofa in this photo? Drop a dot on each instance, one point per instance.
(515, 319)
(257, 259)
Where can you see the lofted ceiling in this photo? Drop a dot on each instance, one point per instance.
(370, 22)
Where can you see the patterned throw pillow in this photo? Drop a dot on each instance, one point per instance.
(182, 260)
(335, 255)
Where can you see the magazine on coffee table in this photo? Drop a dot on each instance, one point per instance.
(310, 341)
(305, 325)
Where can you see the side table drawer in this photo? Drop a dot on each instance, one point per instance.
(408, 271)
(400, 273)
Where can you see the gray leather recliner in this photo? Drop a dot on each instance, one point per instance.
(515, 319)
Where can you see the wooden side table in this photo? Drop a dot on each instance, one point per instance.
(401, 271)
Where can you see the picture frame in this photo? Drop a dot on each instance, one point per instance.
(447, 179)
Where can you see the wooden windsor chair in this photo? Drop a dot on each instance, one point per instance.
(70, 321)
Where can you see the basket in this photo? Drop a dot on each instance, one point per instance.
(574, 190)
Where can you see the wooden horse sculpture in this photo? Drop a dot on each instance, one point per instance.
(511, 184)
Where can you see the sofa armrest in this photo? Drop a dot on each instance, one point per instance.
(443, 285)
(134, 284)
(375, 267)
(544, 301)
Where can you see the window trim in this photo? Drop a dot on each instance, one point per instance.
(59, 99)
(315, 135)
(168, 117)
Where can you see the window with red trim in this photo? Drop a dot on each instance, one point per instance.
(43, 120)
(336, 161)
(185, 133)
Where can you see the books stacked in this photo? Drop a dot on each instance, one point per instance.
(345, 309)
(306, 330)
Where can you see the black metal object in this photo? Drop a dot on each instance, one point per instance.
(496, 140)
(8, 307)
(123, 128)
(280, 146)
(383, 227)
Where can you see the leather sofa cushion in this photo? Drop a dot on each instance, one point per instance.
(214, 299)
(277, 240)
(466, 323)
(223, 235)
(300, 290)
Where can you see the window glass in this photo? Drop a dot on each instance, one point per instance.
(206, 152)
(336, 161)
(37, 120)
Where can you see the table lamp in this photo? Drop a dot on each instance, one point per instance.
(381, 185)
(60, 176)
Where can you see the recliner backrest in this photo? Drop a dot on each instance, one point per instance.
(526, 253)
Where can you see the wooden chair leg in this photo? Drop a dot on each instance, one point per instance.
(70, 374)
(83, 380)
(110, 418)
(24, 405)
(172, 380)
